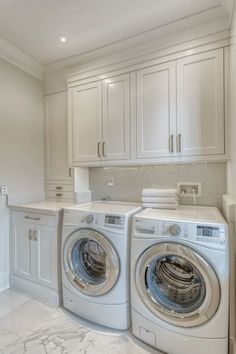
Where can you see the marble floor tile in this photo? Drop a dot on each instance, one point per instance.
(34, 328)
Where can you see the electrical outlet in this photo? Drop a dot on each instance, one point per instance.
(185, 189)
(3, 190)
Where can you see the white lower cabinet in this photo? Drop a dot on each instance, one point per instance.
(34, 254)
(21, 249)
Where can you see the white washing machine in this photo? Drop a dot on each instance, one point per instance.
(96, 260)
(180, 280)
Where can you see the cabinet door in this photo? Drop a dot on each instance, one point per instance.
(200, 104)
(45, 254)
(21, 249)
(56, 135)
(116, 118)
(156, 110)
(86, 122)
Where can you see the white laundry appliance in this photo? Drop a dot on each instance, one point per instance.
(95, 261)
(180, 280)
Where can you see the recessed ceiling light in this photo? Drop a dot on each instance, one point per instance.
(61, 38)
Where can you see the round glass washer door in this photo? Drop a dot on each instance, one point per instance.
(91, 262)
(177, 284)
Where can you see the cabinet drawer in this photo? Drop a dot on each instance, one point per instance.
(59, 187)
(58, 195)
(33, 218)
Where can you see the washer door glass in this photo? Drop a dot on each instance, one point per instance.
(177, 284)
(91, 262)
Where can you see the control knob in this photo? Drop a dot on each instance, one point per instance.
(174, 230)
(89, 218)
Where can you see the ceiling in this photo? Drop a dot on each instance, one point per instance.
(33, 26)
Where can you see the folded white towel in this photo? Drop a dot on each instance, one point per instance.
(161, 200)
(152, 192)
(160, 206)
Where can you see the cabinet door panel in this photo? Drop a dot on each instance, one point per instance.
(56, 146)
(87, 121)
(21, 249)
(116, 117)
(156, 110)
(200, 103)
(45, 254)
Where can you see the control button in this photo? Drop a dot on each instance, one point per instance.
(89, 218)
(174, 230)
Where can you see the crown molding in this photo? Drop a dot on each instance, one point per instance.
(21, 60)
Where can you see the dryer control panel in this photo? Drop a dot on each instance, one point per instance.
(213, 235)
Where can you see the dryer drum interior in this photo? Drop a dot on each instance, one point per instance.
(177, 284)
(91, 262)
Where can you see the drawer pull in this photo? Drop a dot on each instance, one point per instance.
(59, 194)
(31, 218)
(59, 187)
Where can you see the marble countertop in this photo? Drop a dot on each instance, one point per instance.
(42, 207)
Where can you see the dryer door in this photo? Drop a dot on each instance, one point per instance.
(91, 262)
(177, 284)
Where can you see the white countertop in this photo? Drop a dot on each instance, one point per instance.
(42, 207)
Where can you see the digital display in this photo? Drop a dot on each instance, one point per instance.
(114, 220)
(208, 231)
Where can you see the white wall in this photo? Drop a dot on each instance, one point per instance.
(21, 130)
(21, 145)
(231, 170)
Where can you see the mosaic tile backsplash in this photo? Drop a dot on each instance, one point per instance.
(126, 183)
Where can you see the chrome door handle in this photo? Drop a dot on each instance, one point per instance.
(70, 172)
(31, 218)
(171, 143)
(98, 149)
(178, 143)
(104, 149)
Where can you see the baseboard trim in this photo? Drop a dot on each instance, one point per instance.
(4, 281)
(36, 291)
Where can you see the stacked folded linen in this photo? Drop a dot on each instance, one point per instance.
(160, 198)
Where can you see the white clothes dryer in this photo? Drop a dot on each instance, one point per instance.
(96, 260)
(180, 280)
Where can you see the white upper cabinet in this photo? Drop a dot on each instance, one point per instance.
(200, 104)
(156, 110)
(170, 109)
(99, 120)
(85, 122)
(116, 118)
(56, 138)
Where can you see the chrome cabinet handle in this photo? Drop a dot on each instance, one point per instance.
(59, 194)
(31, 218)
(98, 149)
(171, 143)
(104, 149)
(30, 234)
(178, 143)
(35, 238)
(59, 187)
(70, 172)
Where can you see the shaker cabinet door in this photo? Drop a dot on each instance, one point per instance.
(200, 104)
(116, 118)
(85, 122)
(156, 110)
